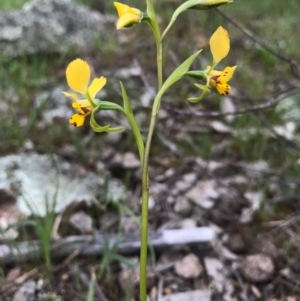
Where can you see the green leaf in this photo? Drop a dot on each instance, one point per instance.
(91, 291)
(133, 124)
(174, 77)
(196, 4)
(126, 102)
(153, 20)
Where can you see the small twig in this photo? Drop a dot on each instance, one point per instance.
(270, 102)
(288, 284)
(57, 222)
(88, 245)
(160, 289)
(241, 283)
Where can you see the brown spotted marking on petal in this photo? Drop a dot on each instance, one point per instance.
(85, 111)
(73, 123)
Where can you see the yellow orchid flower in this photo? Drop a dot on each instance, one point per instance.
(219, 47)
(78, 75)
(219, 79)
(127, 15)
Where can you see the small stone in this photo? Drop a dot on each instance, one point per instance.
(256, 292)
(182, 206)
(255, 198)
(203, 194)
(265, 246)
(291, 298)
(108, 219)
(131, 161)
(188, 223)
(167, 260)
(215, 269)
(13, 274)
(130, 278)
(226, 253)
(27, 292)
(247, 216)
(82, 222)
(203, 295)
(153, 293)
(220, 127)
(258, 267)
(189, 177)
(129, 224)
(151, 202)
(28, 145)
(236, 243)
(218, 230)
(189, 267)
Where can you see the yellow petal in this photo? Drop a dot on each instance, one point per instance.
(72, 95)
(77, 120)
(213, 72)
(134, 11)
(226, 75)
(78, 76)
(219, 45)
(123, 9)
(127, 20)
(83, 106)
(96, 86)
(223, 89)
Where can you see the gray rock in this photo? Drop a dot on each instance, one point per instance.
(189, 267)
(130, 278)
(265, 246)
(219, 281)
(40, 181)
(258, 267)
(204, 194)
(182, 206)
(203, 295)
(51, 26)
(82, 222)
(27, 292)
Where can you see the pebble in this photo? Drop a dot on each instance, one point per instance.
(82, 222)
(258, 267)
(27, 292)
(189, 267)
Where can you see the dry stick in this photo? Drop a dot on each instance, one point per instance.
(91, 245)
(254, 38)
(270, 102)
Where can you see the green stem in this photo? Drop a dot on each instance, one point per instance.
(159, 64)
(145, 186)
(145, 175)
(144, 217)
(90, 99)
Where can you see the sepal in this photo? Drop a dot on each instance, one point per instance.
(106, 128)
(205, 90)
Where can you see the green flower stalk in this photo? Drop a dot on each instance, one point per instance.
(78, 77)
